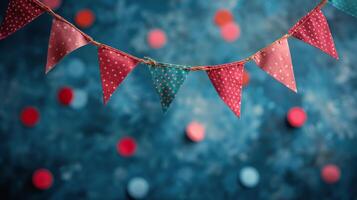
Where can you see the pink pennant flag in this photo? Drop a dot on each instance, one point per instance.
(63, 40)
(228, 82)
(276, 61)
(314, 30)
(114, 68)
(18, 14)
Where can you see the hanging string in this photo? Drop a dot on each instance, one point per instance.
(152, 62)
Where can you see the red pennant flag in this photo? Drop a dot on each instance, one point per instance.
(228, 81)
(314, 30)
(114, 67)
(18, 14)
(276, 61)
(63, 40)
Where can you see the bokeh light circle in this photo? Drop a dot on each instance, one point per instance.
(42, 179)
(84, 18)
(223, 17)
(126, 146)
(156, 38)
(30, 116)
(230, 32)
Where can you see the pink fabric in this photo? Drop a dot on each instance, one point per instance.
(114, 68)
(63, 40)
(276, 61)
(228, 82)
(18, 14)
(314, 30)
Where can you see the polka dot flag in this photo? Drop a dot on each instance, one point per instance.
(228, 82)
(18, 14)
(314, 30)
(63, 40)
(114, 67)
(348, 6)
(167, 81)
(276, 61)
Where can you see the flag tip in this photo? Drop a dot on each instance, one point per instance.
(164, 110)
(48, 69)
(105, 102)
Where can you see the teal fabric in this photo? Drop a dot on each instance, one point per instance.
(348, 6)
(167, 81)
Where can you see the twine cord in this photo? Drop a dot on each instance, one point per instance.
(154, 63)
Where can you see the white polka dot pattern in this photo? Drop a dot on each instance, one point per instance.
(276, 61)
(63, 40)
(314, 30)
(228, 82)
(167, 81)
(348, 6)
(114, 67)
(18, 14)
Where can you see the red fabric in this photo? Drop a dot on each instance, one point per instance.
(63, 40)
(228, 82)
(18, 14)
(276, 61)
(114, 68)
(314, 30)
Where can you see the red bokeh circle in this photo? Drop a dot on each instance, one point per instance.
(65, 95)
(296, 117)
(84, 18)
(126, 146)
(195, 131)
(30, 116)
(156, 38)
(223, 17)
(42, 179)
(330, 173)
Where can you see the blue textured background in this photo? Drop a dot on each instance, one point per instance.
(78, 145)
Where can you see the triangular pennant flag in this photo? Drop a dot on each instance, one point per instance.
(276, 61)
(314, 30)
(114, 67)
(18, 14)
(348, 6)
(63, 40)
(228, 82)
(167, 81)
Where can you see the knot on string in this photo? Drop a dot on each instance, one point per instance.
(150, 61)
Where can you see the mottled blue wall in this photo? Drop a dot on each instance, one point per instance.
(78, 144)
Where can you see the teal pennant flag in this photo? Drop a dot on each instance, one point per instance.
(348, 6)
(167, 81)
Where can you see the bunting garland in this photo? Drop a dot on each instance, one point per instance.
(167, 81)
(227, 79)
(314, 30)
(114, 68)
(63, 40)
(276, 61)
(348, 6)
(18, 14)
